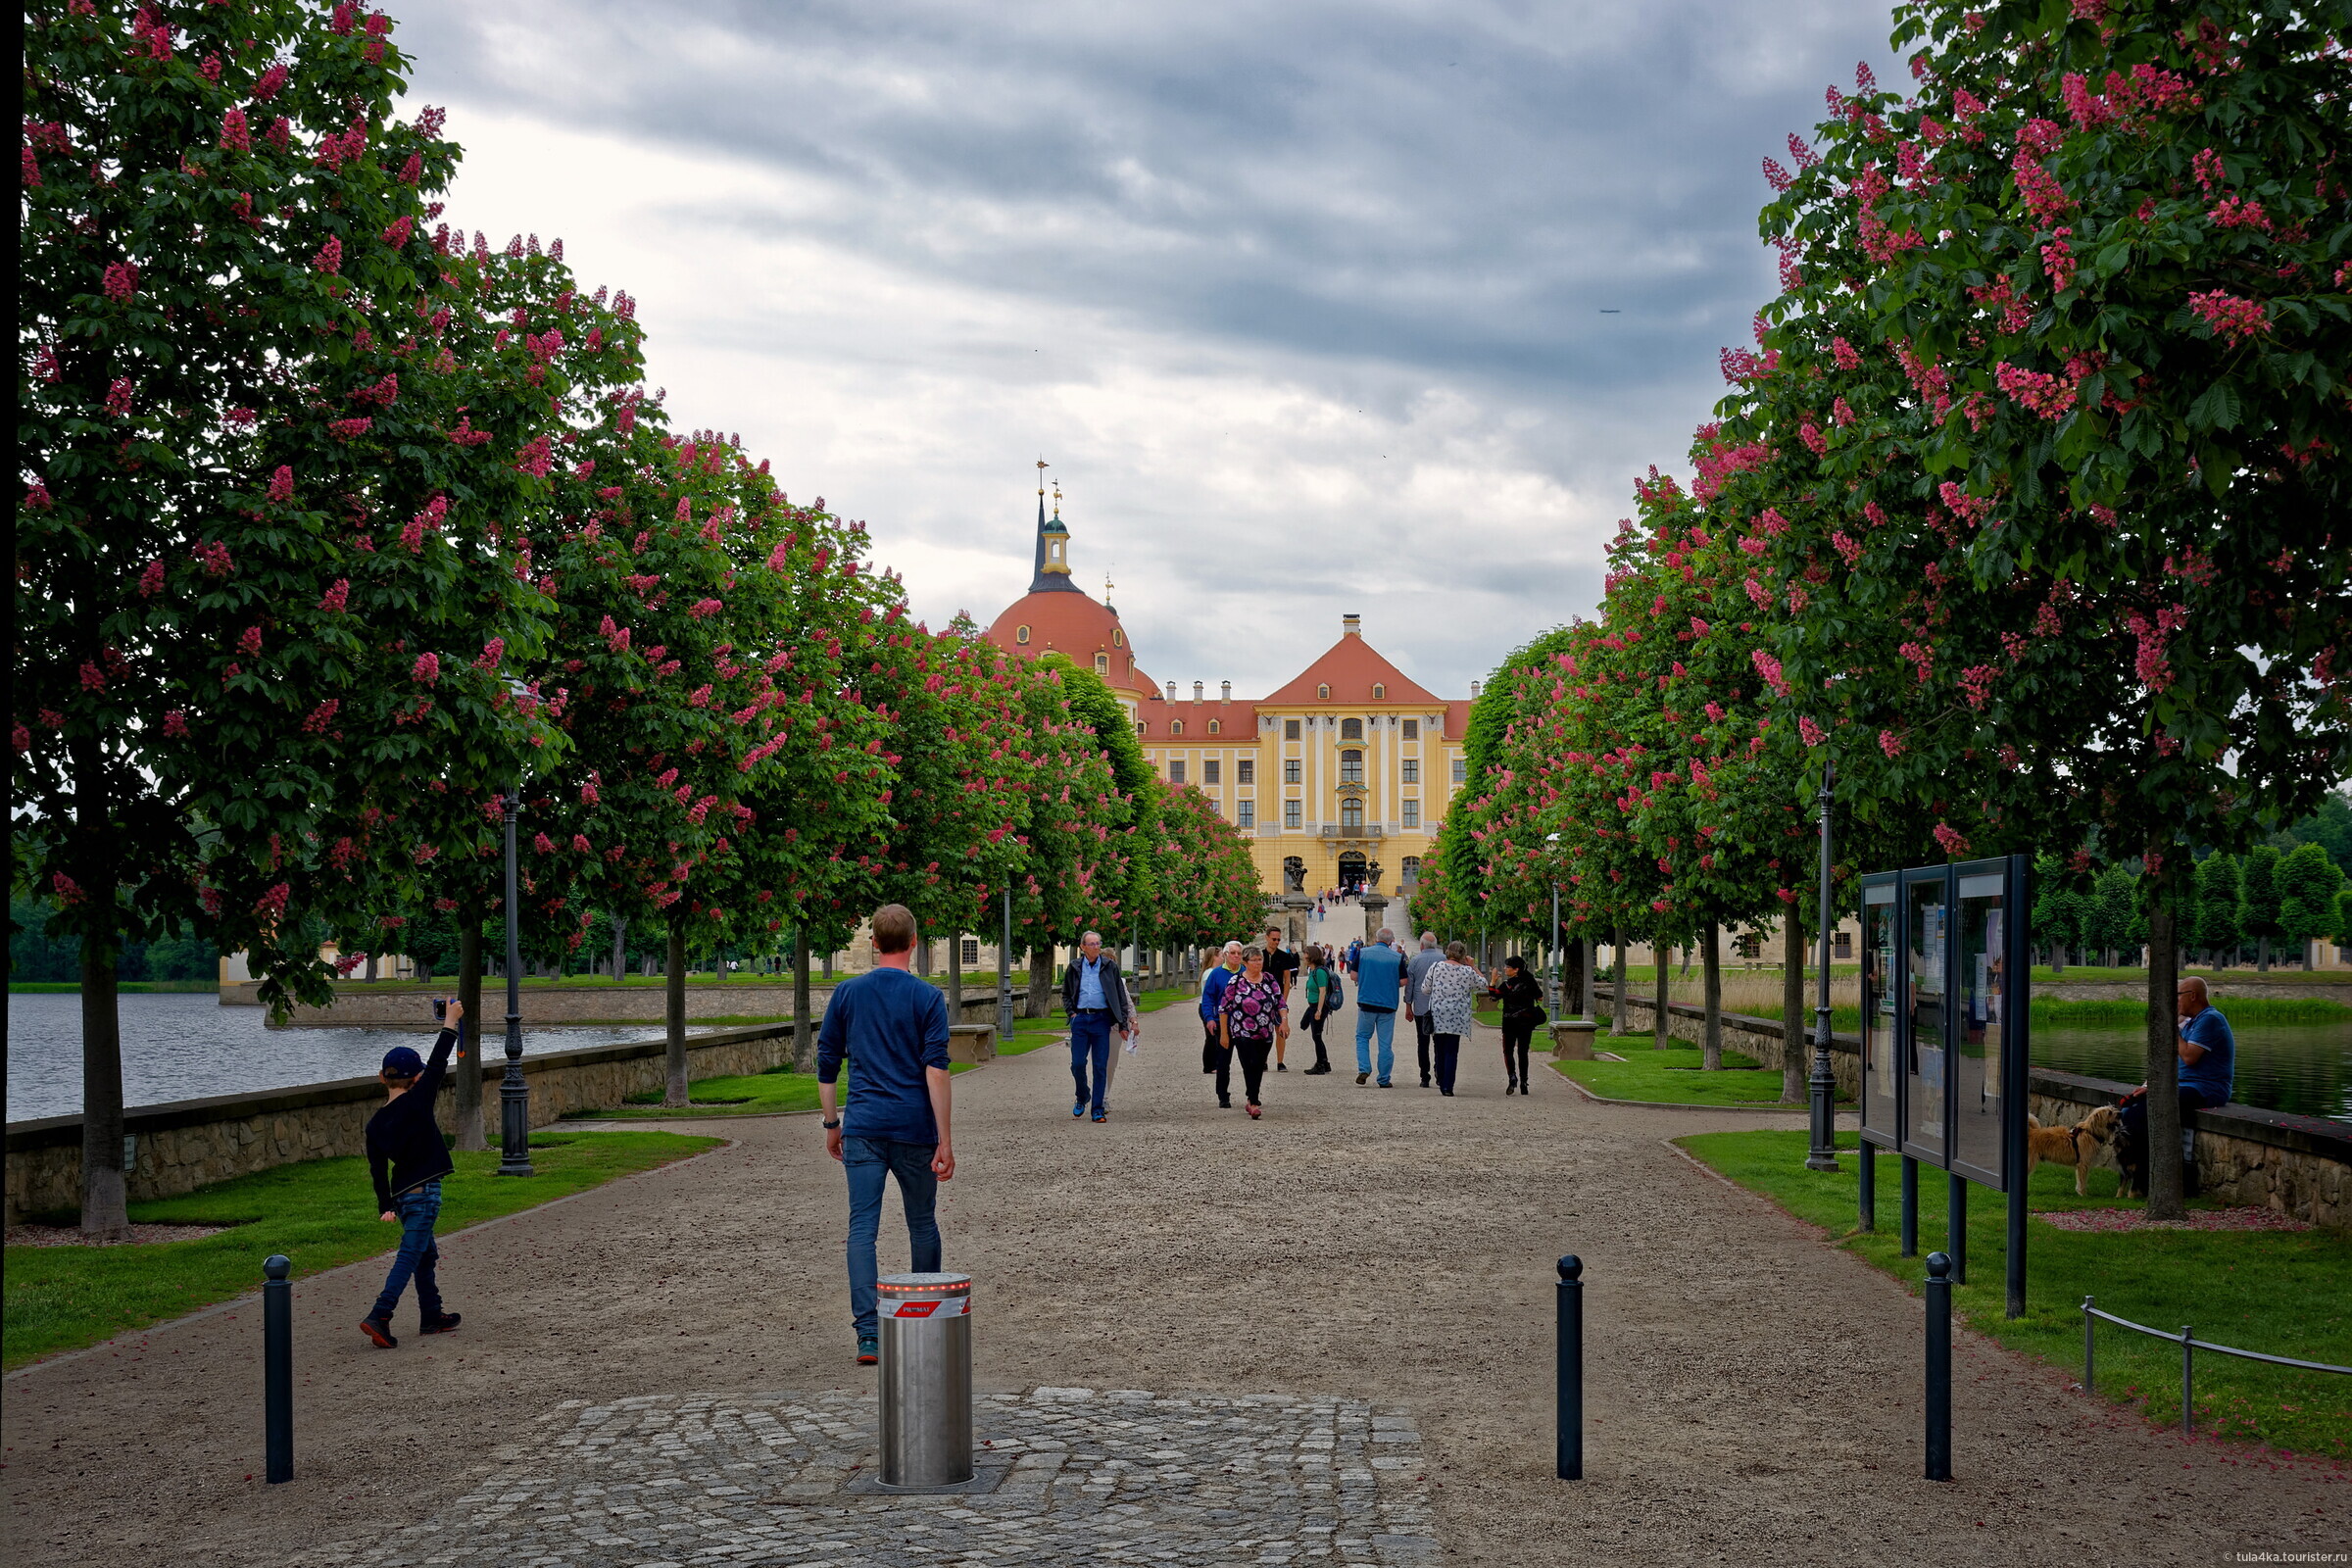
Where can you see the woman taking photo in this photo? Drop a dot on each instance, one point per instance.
(1250, 1018)
(1448, 992)
(1322, 1000)
(1522, 1001)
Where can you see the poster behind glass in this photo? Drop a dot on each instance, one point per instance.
(1979, 1008)
(1926, 956)
(1882, 1084)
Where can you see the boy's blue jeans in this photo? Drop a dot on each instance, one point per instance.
(869, 1160)
(418, 1207)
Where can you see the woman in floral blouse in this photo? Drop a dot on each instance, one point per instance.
(1448, 994)
(1251, 1016)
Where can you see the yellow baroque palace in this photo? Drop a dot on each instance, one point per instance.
(1341, 776)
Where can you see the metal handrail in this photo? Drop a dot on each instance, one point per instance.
(2190, 1346)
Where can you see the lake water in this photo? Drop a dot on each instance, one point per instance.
(185, 1046)
(2299, 1067)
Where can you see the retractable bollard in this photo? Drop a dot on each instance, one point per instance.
(1939, 1367)
(1569, 1358)
(926, 1380)
(277, 1367)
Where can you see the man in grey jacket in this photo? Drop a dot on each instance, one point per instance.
(1416, 970)
(1093, 994)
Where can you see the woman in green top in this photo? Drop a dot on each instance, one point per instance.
(1322, 1000)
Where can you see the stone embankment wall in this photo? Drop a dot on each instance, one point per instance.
(2298, 1165)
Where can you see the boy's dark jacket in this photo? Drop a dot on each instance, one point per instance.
(404, 1135)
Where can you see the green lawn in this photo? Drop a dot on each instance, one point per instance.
(1673, 1075)
(321, 1213)
(2285, 1294)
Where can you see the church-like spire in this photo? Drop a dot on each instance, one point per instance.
(1053, 574)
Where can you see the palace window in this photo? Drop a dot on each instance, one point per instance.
(1212, 771)
(1217, 726)
(1413, 813)
(1290, 769)
(1118, 638)
(1176, 771)
(1352, 729)
(1289, 813)
(1245, 815)
(1352, 812)
(1351, 768)
(1412, 770)
(1101, 663)
(1244, 771)
(1142, 728)
(1409, 868)
(1412, 730)
(1841, 944)
(1461, 770)
(1176, 726)
(1289, 732)
(972, 950)
(1020, 634)
(1323, 692)
(1380, 691)
(1215, 806)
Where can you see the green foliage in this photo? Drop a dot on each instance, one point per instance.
(1209, 891)
(2309, 885)
(2258, 901)
(2215, 926)
(2330, 827)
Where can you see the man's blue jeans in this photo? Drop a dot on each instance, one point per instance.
(869, 1160)
(1367, 1024)
(1090, 1037)
(418, 1256)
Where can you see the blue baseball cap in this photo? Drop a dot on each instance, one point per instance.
(402, 1061)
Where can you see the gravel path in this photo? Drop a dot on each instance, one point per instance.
(1753, 1394)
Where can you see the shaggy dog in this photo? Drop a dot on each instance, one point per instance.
(2074, 1146)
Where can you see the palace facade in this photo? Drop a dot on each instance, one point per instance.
(1340, 776)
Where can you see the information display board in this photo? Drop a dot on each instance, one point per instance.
(1944, 1017)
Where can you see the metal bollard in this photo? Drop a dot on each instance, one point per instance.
(1939, 1367)
(926, 1381)
(277, 1366)
(1910, 1208)
(1867, 1187)
(1569, 1359)
(1956, 1224)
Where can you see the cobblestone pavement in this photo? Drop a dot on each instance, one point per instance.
(1078, 1478)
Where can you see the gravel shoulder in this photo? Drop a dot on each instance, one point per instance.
(1753, 1393)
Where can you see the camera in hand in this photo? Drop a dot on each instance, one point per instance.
(440, 1009)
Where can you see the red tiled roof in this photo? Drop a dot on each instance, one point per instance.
(1457, 720)
(1350, 667)
(1237, 722)
(1075, 625)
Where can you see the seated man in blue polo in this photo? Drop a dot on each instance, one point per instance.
(2208, 1072)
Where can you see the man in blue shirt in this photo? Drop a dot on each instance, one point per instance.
(2207, 1074)
(1093, 994)
(895, 1027)
(1215, 1056)
(1379, 986)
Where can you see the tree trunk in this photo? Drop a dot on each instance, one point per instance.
(923, 957)
(370, 968)
(105, 1189)
(2262, 956)
(1710, 953)
(1041, 981)
(804, 1030)
(956, 976)
(1617, 985)
(620, 948)
(827, 956)
(2308, 945)
(1663, 953)
(2057, 958)
(2164, 1173)
(1572, 978)
(674, 1010)
(466, 1064)
(1797, 1066)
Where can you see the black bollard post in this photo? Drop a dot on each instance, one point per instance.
(1939, 1367)
(1956, 1217)
(1569, 1355)
(1910, 1206)
(1867, 1184)
(277, 1366)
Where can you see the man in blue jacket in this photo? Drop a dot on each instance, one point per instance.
(1215, 1056)
(1094, 997)
(1379, 986)
(893, 1027)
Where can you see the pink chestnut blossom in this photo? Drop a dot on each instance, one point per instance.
(336, 598)
(322, 717)
(151, 581)
(2229, 318)
(271, 83)
(250, 644)
(329, 258)
(118, 397)
(493, 653)
(235, 136)
(1812, 733)
(213, 557)
(1890, 743)
(281, 485)
(175, 724)
(122, 280)
(426, 669)
(1956, 843)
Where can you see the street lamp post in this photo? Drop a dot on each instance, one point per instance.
(1004, 975)
(1551, 937)
(513, 1095)
(1824, 1082)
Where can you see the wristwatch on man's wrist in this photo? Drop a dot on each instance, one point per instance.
(835, 1122)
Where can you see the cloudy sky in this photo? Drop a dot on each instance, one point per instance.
(1308, 304)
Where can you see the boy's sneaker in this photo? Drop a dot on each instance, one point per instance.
(379, 1329)
(869, 1350)
(440, 1323)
